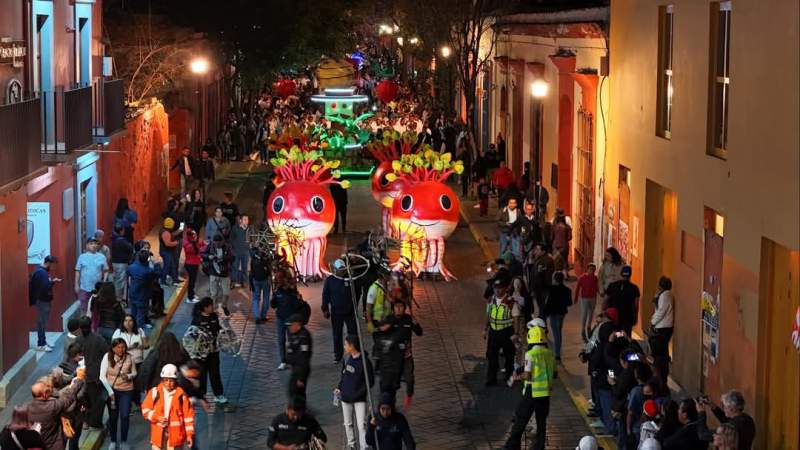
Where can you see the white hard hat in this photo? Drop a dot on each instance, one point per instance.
(169, 371)
(537, 322)
(587, 443)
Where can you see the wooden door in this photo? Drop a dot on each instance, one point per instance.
(584, 244)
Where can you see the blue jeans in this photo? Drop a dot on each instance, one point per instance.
(622, 429)
(139, 311)
(260, 299)
(43, 311)
(556, 324)
(281, 338)
(170, 267)
(510, 242)
(239, 269)
(605, 397)
(122, 413)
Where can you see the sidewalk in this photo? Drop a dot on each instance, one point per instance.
(572, 373)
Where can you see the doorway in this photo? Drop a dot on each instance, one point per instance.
(660, 235)
(584, 186)
(778, 385)
(714, 230)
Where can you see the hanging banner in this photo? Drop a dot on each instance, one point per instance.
(38, 231)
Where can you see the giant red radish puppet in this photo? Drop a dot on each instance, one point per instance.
(425, 211)
(383, 190)
(301, 211)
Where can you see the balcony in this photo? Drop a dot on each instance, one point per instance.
(20, 139)
(67, 121)
(109, 108)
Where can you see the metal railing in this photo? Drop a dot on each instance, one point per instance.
(66, 119)
(20, 137)
(109, 107)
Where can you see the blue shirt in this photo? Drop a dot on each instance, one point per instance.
(141, 277)
(91, 267)
(40, 288)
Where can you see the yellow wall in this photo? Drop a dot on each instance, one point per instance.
(756, 188)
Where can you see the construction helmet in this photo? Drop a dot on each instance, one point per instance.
(537, 335)
(169, 371)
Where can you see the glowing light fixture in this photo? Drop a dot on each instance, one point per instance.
(413, 41)
(539, 88)
(199, 66)
(446, 51)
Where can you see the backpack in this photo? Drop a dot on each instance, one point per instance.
(304, 309)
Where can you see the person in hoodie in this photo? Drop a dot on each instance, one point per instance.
(388, 428)
(193, 249)
(337, 305)
(352, 391)
(397, 361)
(299, 348)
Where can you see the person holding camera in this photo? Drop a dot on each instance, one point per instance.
(117, 372)
(732, 412)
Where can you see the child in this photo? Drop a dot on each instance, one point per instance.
(586, 292)
(556, 305)
(483, 196)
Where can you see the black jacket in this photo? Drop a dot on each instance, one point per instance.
(558, 301)
(205, 170)
(299, 348)
(744, 424)
(94, 348)
(685, 439)
(337, 297)
(121, 251)
(392, 433)
(283, 431)
(353, 383)
(339, 195)
(178, 164)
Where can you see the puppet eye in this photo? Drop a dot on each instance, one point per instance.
(445, 201)
(317, 204)
(406, 203)
(277, 204)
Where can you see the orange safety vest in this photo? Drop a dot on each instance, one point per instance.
(181, 417)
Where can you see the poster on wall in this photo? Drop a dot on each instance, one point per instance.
(624, 241)
(710, 308)
(38, 231)
(634, 237)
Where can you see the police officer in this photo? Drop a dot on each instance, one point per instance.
(501, 314)
(294, 428)
(538, 383)
(298, 355)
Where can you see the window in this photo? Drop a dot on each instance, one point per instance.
(719, 79)
(664, 112)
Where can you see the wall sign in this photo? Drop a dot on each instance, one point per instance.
(14, 91)
(12, 52)
(38, 230)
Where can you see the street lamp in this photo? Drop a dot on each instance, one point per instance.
(199, 66)
(446, 51)
(539, 90)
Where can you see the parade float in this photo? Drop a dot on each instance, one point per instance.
(300, 212)
(425, 211)
(340, 136)
(383, 190)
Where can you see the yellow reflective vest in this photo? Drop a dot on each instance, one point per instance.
(543, 366)
(499, 315)
(381, 308)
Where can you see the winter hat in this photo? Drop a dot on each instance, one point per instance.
(587, 443)
(650, 444)
(651, 408)
(387, 398)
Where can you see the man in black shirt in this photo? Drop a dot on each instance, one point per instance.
(624, 296)
(397, 360)
(389, 427)
(294, 428)
(732, 412)
(298, 355)
(260, 283)
(229, 209)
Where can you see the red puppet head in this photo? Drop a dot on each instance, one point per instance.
(431, 205)
(384, 191)
(304, 206)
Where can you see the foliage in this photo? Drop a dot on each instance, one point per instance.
(427, 165)
(299, 165)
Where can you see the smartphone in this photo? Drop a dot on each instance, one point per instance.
(611, 374)
(633, 357)
(182, 225)
(617, 334)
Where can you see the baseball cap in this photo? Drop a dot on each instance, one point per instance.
(387, 398)
(587, 443)
(50, 259)
(501, 280)
(338, 264)
(612, 314)
(626, 271)
(651, 408)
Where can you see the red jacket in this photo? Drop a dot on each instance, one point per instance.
(192, 250)
(503, 177)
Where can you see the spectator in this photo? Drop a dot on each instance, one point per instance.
(669, 423)
(556, 307)
(241, 251)
(624, 296)
(40, 294)
(216, 258)
(204, 318)
(509, 234)
(47, 411)
(94, 348)
(636, 400)
(610, 271)
(21, 433)
(726, 437)
(562, 235)
(186, 167)
(205, 169)
(502, 179)
(339, 195)
(294, 428)
(90, 269)
(135, 338)
(352, 390)
(663, 314)
(260, 283)
(650, 422)
(540, 276)
(109, 311)
(389, 428)
(117, 372)
(687, 437)
(169, 239)
(73, 333)
(102, 248)
(540, 199)
(168, 351)
(338, 306)
(196, 210)
(586, 294)
(126, 218)
(529, 230)
(217, 225)
(483, 196)
(732, 412)
(229, 209)
(140, 281)
(121, 256)
(193, 249)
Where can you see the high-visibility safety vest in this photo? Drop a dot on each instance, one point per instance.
(543, 366)
(499, 316)
(381, 308)
(180, 419)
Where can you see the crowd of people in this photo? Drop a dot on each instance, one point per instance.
(527, 300)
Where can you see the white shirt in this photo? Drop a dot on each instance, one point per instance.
(512, 215)
(136, 353)
(168, 395)
(187, 169)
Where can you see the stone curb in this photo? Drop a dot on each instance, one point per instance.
(578, 399)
